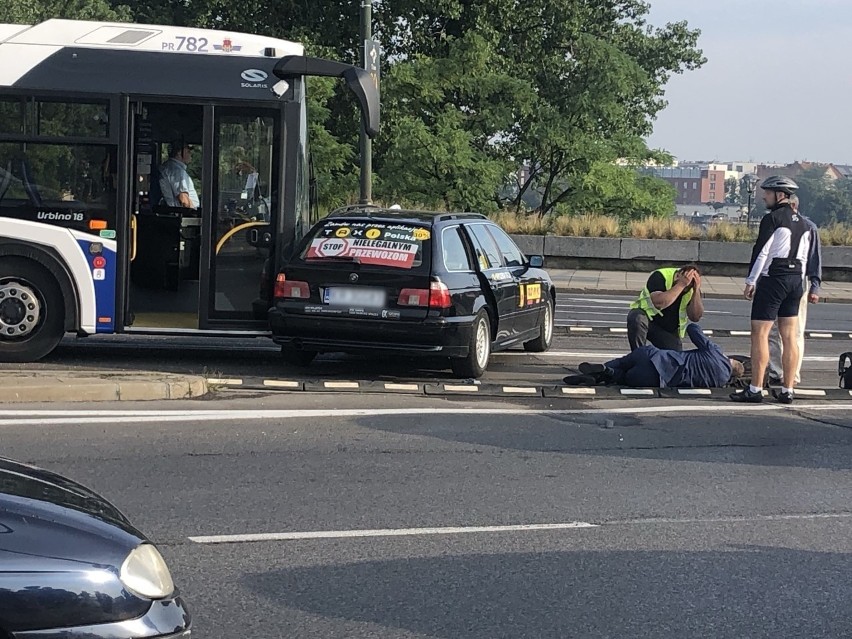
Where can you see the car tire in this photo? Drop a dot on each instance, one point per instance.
(474, 365)
(297, 356)
(545, 336)
(32, 310)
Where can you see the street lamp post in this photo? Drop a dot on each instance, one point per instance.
(366, 143)
(750, 184)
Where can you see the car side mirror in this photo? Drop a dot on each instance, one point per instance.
(536, 261)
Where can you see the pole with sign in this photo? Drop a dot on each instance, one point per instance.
(372, 63)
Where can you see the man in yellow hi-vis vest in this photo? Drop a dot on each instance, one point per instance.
(669, 301)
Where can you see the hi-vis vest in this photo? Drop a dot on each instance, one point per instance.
(644, 302)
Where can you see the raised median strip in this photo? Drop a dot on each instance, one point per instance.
(96, 386)
(514, 391)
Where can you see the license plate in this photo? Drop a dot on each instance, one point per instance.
(354, 297)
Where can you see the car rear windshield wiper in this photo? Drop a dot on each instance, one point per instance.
(339, 258)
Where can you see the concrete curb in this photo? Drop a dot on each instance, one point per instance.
(20, 387)
(465, 388)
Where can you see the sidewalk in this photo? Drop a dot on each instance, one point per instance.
(90, 386)
(630, 283)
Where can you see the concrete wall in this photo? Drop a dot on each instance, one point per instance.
(628, 254)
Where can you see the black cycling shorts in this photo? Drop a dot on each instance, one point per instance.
(777, 296)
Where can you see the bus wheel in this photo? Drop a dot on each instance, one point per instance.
(32, 312)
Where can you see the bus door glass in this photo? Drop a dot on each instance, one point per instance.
(245, 194)
(165, 253)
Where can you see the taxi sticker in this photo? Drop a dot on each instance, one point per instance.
(373, 234)
(533, 293)
(342, 232)
(421, 234)
(529, 294)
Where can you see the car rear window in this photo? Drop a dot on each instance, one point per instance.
(381, 244)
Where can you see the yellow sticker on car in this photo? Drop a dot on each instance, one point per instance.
(533, 293)
(342, 232)
(373, 234)
(421, 234)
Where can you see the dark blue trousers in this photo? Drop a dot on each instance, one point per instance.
(636, 369)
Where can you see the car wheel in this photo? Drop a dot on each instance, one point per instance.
(474, 365)
(545, 336)
(32, 311)
(296, 356)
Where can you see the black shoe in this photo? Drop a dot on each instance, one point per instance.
(601, 373)
(783, 397)
(580, 380)
(745, 396)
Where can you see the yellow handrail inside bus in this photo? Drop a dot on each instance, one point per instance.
(227, 236)
(132, 237)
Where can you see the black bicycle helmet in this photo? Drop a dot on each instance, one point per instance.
(780, 183)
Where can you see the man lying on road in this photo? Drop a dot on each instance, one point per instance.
(648, 366)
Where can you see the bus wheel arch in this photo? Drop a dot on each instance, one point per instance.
(32, 310)
(46, 258)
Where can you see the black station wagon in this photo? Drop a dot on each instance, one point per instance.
(451, 285)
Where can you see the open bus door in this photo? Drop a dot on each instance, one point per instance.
(199, 268)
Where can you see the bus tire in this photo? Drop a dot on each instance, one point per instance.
(474, 365)
(32, 310)
(297, 357)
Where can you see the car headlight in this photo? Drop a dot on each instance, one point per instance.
(145, 572)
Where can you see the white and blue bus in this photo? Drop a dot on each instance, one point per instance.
(89, 242)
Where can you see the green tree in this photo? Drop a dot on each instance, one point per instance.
(33, 11)
(620, 190)
(589, 73)
(732, 191)
(824, 200)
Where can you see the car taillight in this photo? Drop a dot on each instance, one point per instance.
(439, 295)
(436, 296)
(413, 297)
(291, 288)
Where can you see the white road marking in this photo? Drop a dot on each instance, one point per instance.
(384, 532)
(558, 311)
(280, 383)
(341, 385)
(638, 391)
(402, 387)
(694, 391)
(572, 390)
(466, 530)
(520, 390)
(222, 381)
(461, 388)
(78, 418)
(821, 335)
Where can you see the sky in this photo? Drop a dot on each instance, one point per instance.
(776, 86)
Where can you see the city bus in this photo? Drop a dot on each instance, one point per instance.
(96, 120)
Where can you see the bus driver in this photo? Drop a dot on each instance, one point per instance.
(175, 184)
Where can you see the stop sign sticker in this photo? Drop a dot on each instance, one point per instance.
(331, 247)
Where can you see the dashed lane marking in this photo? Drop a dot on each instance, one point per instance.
(385, 532)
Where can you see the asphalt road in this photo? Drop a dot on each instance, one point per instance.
(698, 520)
(575, 309)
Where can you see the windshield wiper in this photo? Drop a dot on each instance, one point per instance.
(338, 258)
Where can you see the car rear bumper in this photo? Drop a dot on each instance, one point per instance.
(443, 337)
(167, 619)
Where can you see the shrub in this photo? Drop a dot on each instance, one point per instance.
(587, 225)
(836, 235)
(664, 228)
